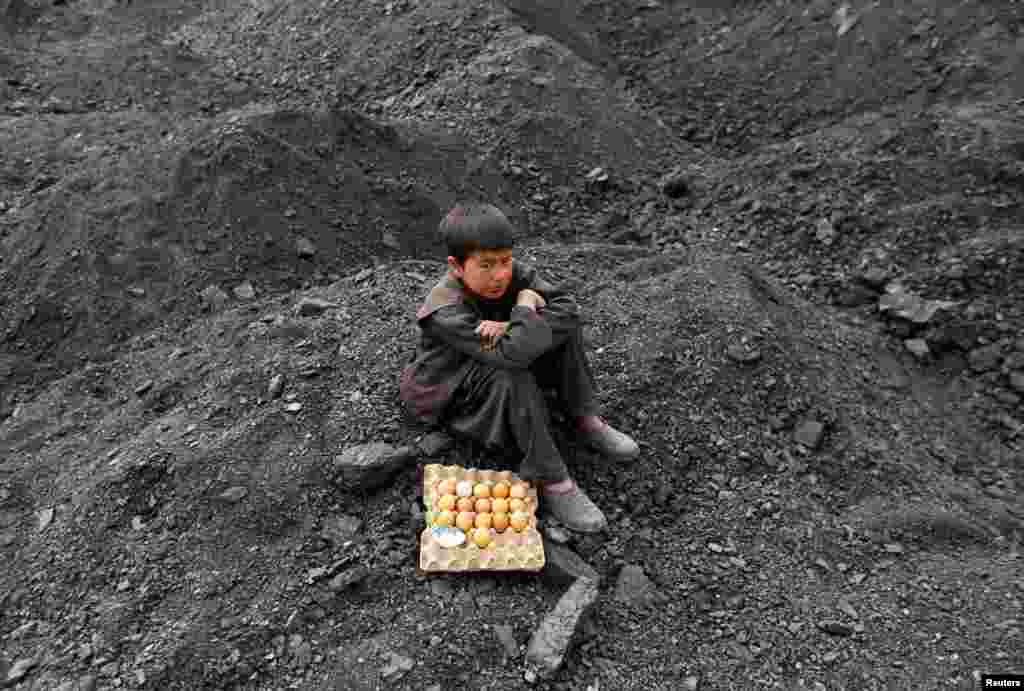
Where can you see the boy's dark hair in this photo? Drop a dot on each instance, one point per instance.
(473, 226)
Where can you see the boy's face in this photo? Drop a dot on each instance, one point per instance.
(488, 273)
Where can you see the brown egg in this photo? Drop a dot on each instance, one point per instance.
(500, 490)
(499, 505)
(481, 491)
(464, 520)
(483, 520)
(445, 518)
(464, 504)
(518, 490)
(472, 475)
(519, 521)
(499, 521)
(505, 476)
(446, 502)
(446, 486)
(482, 506)
(516, 505)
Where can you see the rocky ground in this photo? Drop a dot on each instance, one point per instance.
(795, 233)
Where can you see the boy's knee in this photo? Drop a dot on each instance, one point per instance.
(514, 378)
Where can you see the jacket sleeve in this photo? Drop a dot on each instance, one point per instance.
(528, 335)
(561, 311)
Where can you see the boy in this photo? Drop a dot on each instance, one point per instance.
(493, 333)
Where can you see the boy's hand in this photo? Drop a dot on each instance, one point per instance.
(531, 298)
(490, 333)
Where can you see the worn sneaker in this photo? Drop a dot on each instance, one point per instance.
(610, 442)
(574, 510)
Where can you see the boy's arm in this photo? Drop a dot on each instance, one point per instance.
(561, 311)
(527, 337)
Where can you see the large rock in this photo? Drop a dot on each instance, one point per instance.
(1014, 360)
(214, 299)
(19, 670)
(397, 667)
(304, 248)
(874, 276)
(674, 185)
(985, 358)
(1017, 381)
(633, 586)
(855, 295)
(961, 336)
(563, 567)
(918, 347)
(369, 466)
(244, 291)
(338, 529)
(897, 302)
(311, 307)
(551, 640)
(809, 433)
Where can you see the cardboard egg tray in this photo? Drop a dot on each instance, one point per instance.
(508, 551)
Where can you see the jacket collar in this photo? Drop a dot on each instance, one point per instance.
(450, 290)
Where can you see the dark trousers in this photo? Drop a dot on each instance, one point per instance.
(503, 408)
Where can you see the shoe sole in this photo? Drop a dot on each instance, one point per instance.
(590, 531)
(585, 531)
(613, 457)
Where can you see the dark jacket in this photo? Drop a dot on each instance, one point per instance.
(449, 344)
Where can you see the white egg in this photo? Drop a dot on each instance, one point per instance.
(464, 489)
(447, 537)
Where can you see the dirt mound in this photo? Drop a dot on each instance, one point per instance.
(547, 106)
(526, 103)
(79, 208)
(177, 449)
(267, 197)
(743, 74)
(926, 205)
